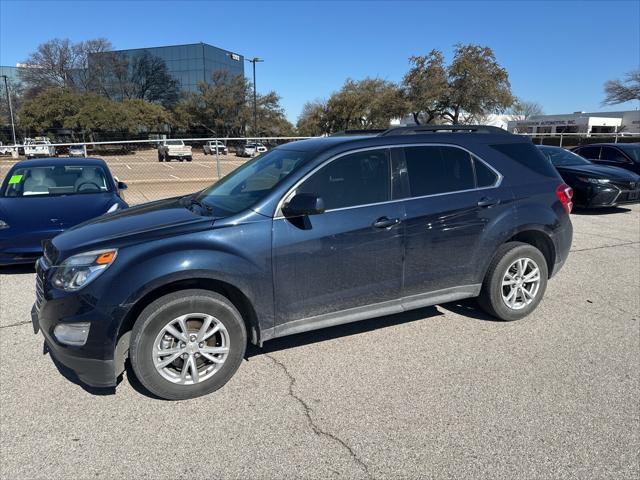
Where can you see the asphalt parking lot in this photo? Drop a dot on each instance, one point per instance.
(443, 392)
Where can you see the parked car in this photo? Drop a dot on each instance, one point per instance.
(77, 151)
(5, 149)
(41, 198)
(215, 146)
(311, 234)
(594, 185)
(38, 147)
(252, 149)
(623, 155)
(170, 149)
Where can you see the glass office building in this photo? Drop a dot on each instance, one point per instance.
(191, 64)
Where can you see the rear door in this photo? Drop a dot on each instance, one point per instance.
(453, 197)
(590, 153)
(348, 257)
(615, 157)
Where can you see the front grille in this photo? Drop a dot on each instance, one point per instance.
(626, 185)
(39, 290)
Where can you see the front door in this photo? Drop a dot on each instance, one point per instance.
(348, 257)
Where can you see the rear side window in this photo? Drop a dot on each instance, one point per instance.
(434, 170)
(484, 175)
(528, 155)
(356, 179)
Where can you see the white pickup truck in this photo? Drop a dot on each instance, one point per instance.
(38, 147)
(170, 149)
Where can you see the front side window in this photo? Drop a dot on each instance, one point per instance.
(612, 155)
(56, 180)
(633, 151)
(589, 152)
(356, 179)
(435, 169)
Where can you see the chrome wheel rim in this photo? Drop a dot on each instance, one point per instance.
(520, 283)
(191, 348)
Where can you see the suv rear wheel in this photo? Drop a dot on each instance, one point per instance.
(187, 344)
(515, 282)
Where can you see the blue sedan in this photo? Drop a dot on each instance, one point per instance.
(41, 198)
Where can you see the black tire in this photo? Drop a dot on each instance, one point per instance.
(153, 319)
(189, 159)
(159, 157)
(490, 299)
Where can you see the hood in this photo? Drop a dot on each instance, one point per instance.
(145, 222)
(34, 212)
(601, 171)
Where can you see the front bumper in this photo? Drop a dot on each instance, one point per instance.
(610, 195)
(93, 363)
(94, 372)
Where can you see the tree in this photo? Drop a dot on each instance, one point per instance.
(219, 106)
(524, 109)
(478, 85)
(425, 85)
(62, 108)
(365, 104)
(149, 79)
(270, 115)
(61, 63)
(618, 91)
(313, 121)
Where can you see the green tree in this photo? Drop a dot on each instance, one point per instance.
(49, 109)
(272, 121)
(478, 85)
(313, 121)
(425, 86)
(620, 91)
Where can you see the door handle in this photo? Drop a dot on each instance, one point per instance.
(385, 222)
(488, 202)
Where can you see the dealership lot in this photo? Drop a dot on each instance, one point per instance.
(441, 392)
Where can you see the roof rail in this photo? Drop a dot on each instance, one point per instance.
(373, 131)
(417, 129)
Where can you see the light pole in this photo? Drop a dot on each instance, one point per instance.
(254, 60)
(13, 127)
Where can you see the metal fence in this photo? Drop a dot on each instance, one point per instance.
(569, 140)
(137, 163)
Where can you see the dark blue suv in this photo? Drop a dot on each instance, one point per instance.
(311, 234)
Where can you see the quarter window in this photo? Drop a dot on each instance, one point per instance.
(485, 177)
(356, 179)
(434, 170)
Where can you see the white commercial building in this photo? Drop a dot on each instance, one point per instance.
(579, 122)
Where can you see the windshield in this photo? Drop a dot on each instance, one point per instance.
(632, 150)
(563, 158)
(251, 182)
(174, 142)
(56, 180)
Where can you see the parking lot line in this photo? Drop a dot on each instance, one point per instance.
(177, 178)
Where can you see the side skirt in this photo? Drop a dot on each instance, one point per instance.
(371, 311)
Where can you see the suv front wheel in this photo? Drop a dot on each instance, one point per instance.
(187, 344)
(515, 281)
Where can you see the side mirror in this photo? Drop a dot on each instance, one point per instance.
(303, 204)
(122, 186)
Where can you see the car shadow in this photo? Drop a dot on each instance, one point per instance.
(18, 269)
(599, 211)
(469, 308)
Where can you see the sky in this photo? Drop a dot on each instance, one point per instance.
(557, 53)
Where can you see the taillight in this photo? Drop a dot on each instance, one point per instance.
(565, 193)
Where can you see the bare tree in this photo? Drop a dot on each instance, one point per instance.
(620, 91)
(61, 63)
(525, 109)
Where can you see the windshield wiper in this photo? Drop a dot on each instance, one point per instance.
(203, 206)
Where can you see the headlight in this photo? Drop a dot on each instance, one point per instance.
(80, 270)
(3, 225)
(600, 181)
(113, 208)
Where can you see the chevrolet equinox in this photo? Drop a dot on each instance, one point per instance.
(311, 234)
